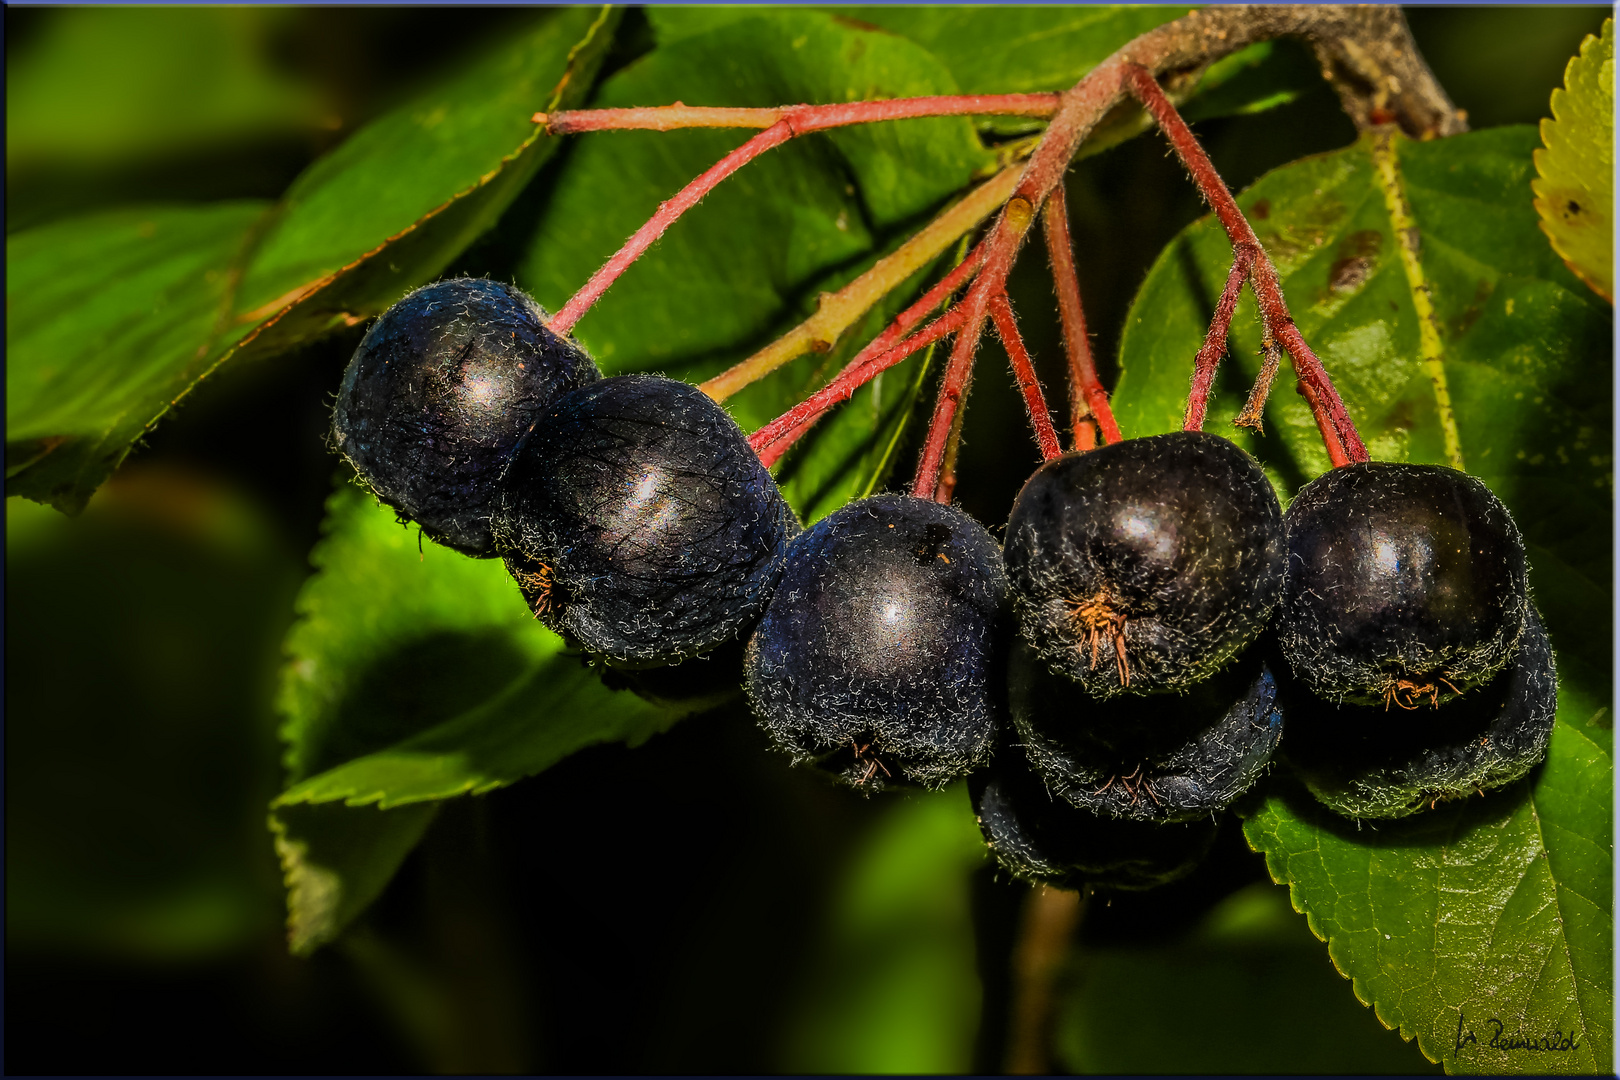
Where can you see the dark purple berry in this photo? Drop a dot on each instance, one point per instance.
(638, 521)
(1145, 565)
(1371, 761)
(1168, 757)
(1405, 584)
(692, 686)
(881, 648)
(1043, 839)
(438, 394)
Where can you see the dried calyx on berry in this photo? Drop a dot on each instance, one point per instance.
(438, 394)
(1145, 565)
(1043, 839)
(1406, 585)
(880, 655)
(637, 520)
(1169, 757)
(1369, 761)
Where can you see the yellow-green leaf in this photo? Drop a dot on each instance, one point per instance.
(1575, 186)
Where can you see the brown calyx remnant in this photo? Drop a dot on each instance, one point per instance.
(1097, 617)
(1134, 785)
(1408, 693)
(863, 752)
(535, 580)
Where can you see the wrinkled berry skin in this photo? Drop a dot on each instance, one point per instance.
(1401, 579)
(438, 394)
(1164, 758)
(1047, 841)
(1171, 544)
(638, 521)
(1369, 761)
(882, 648)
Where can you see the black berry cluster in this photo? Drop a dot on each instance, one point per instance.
(1108, 684)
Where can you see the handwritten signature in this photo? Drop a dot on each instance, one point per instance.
(1557, 1042)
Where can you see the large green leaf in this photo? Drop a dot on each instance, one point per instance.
(1575, 186)
(397, 201)
(114, 317)
(1499, 909)
(109, 318)
(415, 674)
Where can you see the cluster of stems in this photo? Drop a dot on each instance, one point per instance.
(974, 292)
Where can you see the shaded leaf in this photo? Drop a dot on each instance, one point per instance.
(1002, 49)
(110, 318)
(1246, 992)
(1500, 908)
(414, 674)
(336, 860)
(399, 199)
(896, 990)
(125, 311)
(1013, 50)
(1575, 183)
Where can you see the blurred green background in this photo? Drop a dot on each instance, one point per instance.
(691, 905)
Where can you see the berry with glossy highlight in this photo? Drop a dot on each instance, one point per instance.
(1145, 565)
(880, 653)
(638, 521)
(438, 394)
(1406, 584)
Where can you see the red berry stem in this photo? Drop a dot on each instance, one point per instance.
(644, 237)
(1088, 401)
(1278, 322)
(802, 118)
(788, 122)
(1337, 453)
(1209, 357)
(768, 441)
(860, 368)
(1040, 419)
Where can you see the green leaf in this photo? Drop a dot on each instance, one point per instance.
(1500, 908)
(415, 674)
(392, 205)
(336, 860)
(106, 84)
(109, 319)
(896, 990)
(1014, 50)
(1002, 49)
(1575, 182)
(1246, 992)
(114, 317)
